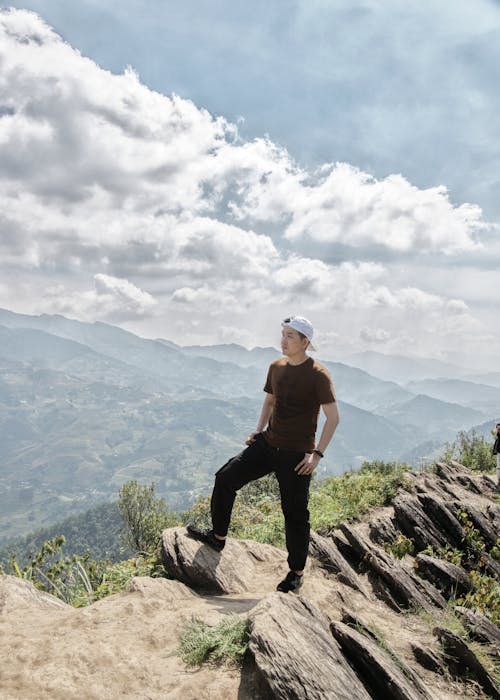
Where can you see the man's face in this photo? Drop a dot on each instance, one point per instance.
(291, 341)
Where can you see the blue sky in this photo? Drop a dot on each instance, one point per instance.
(401, 241)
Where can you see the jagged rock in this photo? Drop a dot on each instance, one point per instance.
(16, 594)
(384, 674)
(444, 518)
(493, 512)
(491, 566)
(200, 567)
(345, 548)
(350, 619)
(383, 530)
(460, 658)
(480, 521)
(326, 551)
(448, 577)
(405, 589)
(428, 658)
(479, 627)
(296, 654)
(415, 523)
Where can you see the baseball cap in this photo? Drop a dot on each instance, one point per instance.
(302, 325)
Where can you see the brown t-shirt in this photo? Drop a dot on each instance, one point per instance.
(299, 391)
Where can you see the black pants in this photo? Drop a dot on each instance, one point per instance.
(254, 462)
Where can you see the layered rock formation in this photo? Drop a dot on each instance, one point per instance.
(365, 624)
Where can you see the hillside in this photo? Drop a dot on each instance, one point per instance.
(482, 397)
(365, 624)
(85, 407)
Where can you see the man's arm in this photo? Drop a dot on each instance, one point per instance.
(310, 461)
(265, 415)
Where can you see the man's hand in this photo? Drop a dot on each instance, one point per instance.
(308, 464)
(252, 437)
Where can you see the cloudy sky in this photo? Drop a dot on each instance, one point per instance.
(199, 170)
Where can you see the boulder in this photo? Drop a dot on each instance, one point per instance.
(200, 567)
(296, 654)
(17, 594)
(384, 674)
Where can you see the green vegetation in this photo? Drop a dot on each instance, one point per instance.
(450, 620)
(257, 513)
(471, 450)
(144, 517)
(485, 593)
(349, 497)
(78, 580)
(97, 529)
(226, 642)
(400, 547)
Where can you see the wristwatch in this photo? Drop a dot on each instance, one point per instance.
(319, 453)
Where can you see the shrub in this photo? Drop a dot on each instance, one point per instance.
(349, 497)
(144, 516)
(471, 450)
(401, 546)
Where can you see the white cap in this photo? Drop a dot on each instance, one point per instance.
(302, 325)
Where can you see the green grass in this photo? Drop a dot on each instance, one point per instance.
(226, 642)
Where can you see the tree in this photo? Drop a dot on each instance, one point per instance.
(471, 450)
(144, 516)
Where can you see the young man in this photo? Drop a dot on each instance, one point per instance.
(283, 442)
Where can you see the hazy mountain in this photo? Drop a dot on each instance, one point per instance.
(237, 354)
(86, 407)
(470, 394)
(398, 368)
(489, 378)
(361, 389)
(432, 418)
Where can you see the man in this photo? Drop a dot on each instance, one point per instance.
(283, 442)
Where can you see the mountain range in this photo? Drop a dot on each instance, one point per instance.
(85, 407)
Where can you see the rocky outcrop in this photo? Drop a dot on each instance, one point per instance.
(462, 661)
(327, 552)
(202, 568)
(403, 586)
(384, 674)
(480, 628)
(448, 577)
(17, 594)
(296, 654)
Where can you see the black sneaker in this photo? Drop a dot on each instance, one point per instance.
(207, 536)
(291, 582)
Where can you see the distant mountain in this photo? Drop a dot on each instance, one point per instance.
(361, 389)
(85, 407)
(432, 418)
(489, 378)
(466, 393)
(398, 368)
(237, 354)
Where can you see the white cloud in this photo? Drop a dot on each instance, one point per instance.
(374, 335)
(104, 179)
(112, 299)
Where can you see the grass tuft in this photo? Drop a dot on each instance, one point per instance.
(226, 642)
